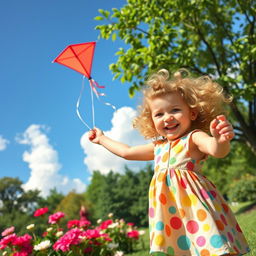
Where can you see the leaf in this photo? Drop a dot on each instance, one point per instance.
(98, 18)
(114, 37)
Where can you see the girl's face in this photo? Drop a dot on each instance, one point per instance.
(171, 115)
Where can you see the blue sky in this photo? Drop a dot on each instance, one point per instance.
(40, 133)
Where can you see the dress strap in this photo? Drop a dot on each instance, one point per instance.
(188, 141)
(189, 136)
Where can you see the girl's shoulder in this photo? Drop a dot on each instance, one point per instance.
(192, 147)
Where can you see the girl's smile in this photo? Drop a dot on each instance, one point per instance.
(171, 116)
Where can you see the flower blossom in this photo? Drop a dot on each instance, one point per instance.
(142, 232)
(78, 223)
(30, 227)
(73, 223)
(119, 253)
(114, 225)
(43, 245)
(72, 237)
(84, 223)
(112, 245)
(133, 234)
(54, 218)
(59, 233)
(24, 245)
(40, 211)
(8, 231)
(7, 240)
(105, 224)
(110, 215)
(95, 233)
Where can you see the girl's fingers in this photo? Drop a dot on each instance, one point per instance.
(214, 123)
(92, 135)
(221, 118)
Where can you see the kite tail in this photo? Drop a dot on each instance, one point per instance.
(78, 105)
(93, 85)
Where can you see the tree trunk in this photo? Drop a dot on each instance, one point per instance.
(248, 132)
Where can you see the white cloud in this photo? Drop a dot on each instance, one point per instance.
(98, 158)
(43, 161)
(3, 143)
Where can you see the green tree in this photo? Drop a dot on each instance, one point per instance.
(16, 205)
(95, 194)
(13, 197)
(125, 195)
(71, 205)
(52, 200)
(223, 172)
(212, 37)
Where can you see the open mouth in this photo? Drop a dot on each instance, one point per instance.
(171, 128)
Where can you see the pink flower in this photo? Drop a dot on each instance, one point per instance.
(95, 233)
(105, 224)
(72, 237)
(73, 223)
(92, 233)
(7, 240)
(130, 224)
(40, 211)
(22, 240)
(84, 223)
(24, 243)
(21, 253)
(133, 234)
(54, 218)
(78, 223)
(8, 231)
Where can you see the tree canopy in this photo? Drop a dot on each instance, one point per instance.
(13, 198)
(212, 37)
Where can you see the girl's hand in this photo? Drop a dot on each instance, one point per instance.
(221, 129)
(94, 135)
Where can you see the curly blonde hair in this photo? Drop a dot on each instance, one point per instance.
(202, 94)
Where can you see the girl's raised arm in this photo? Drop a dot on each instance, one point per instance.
(217, 145)
(139, 153)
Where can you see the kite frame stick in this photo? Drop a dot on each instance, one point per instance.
(80, 60)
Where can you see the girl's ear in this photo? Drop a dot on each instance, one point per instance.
(193, 114)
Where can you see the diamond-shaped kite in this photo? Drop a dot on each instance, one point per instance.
(79, 57)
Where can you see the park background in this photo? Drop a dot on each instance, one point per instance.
(43, 144)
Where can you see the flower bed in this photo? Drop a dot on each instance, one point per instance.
(108, 238)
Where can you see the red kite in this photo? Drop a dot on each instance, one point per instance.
(79, 57)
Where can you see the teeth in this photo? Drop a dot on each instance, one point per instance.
(171, 127)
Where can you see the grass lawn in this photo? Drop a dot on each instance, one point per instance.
(246, 217)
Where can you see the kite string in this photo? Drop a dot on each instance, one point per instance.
(78, 105)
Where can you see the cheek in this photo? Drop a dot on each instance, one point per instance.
(156, 123)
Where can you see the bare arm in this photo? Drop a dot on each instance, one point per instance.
(217, 145)
(141, 152)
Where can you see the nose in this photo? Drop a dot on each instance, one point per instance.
(168, 117)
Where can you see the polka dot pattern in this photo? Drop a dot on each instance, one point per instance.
(187, 214)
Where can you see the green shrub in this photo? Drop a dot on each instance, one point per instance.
(243, 189)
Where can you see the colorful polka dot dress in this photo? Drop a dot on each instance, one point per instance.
(187, 215)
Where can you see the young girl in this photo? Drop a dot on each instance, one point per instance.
(187, 214)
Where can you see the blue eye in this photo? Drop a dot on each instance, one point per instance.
(175, 110)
